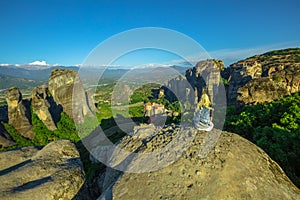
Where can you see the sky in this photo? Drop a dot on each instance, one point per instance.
(66, 31)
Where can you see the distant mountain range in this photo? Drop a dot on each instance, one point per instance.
(7, 81)
(33, 72)
(42, 72)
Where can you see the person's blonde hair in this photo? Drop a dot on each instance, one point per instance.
(205, 100)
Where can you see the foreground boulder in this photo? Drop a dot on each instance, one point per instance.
(216, 165)
(54, 172)
(19, 115)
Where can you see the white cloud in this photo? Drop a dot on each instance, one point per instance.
(150, 65)
(9, 65)
(4, 65)
(43, 63)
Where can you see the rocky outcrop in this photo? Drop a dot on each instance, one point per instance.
(216, 165)
(65, 93)
(282, 68)
(67, 90)
(5, 138)
(205, 73)
(19, 113)
(261, 90)
(54, 172)
(177, 89)
(189, 88)
(43, 105)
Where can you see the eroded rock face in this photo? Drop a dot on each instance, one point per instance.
(19, 113)
(67, 90)
(216, 165)
(41, 105)
(54, 172)
(261, 90)
(205, 73)
(5, 138)
(282, 68)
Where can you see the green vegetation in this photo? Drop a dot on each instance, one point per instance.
(224, 81)
(104, 91)
(3, 103)
(19, 139)
(290, 51)
(277, 79)
(84, 129)
(65, 130)
(105, 111)
(91, 169)
(144, 93)
(172, 106)
(275, 127)
(273, 58)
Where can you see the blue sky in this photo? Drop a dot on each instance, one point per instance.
(65, 32)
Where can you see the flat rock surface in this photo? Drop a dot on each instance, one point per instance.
(54, 172)
(216, 165)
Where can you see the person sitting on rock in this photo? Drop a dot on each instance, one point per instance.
(204, 113)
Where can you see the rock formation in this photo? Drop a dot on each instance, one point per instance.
(19, 113)
(67, 90)
(261, 90)
(41, 105)
(176, 89)
(65, 93)
(54, 172)
(216, 165)
(205, 73)
(279, 71)
(5, 138)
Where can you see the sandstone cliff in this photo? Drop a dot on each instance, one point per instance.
(44, 106)
(279, 69)
(19, 112)
(65, 93)
(67, 90)
(54, 172)
(205, 73)
(216, 165)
